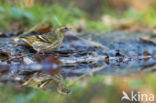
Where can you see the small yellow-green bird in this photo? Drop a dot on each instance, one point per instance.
(46, 42)
(55, 83)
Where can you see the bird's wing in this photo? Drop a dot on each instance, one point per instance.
(29, 39)
(49, 37)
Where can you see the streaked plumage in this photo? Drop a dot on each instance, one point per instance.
(55, 83)
(47, 42)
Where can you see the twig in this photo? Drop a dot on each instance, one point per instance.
(91, 42)
(89, 73)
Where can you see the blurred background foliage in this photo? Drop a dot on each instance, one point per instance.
(82, 16)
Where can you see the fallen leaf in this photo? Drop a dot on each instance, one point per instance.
(4, 55)
(51, 65)
(44, 29)
(146, 53)
(4, 69)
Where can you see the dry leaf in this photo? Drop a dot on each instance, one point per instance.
(44, 29)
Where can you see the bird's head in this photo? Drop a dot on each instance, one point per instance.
(63, 90)
(62, 29)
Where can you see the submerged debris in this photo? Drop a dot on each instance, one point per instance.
(118, 53)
